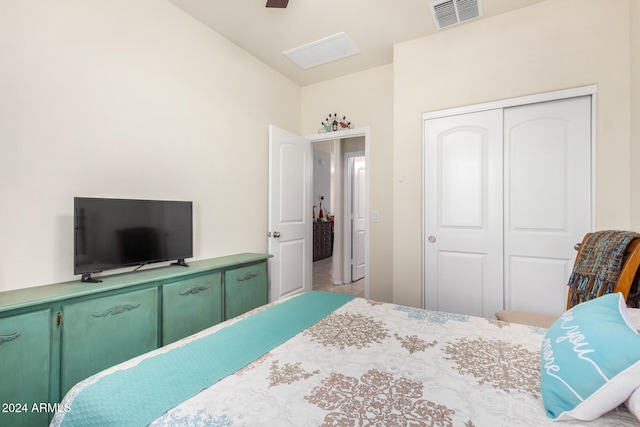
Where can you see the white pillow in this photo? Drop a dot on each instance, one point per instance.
(633, 403)
(590, 360)
(634, 316)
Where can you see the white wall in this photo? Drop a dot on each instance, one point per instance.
(548, 46)
(119, 98)
(634, 24)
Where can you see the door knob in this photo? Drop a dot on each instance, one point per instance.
(432, 239)
(276, 234)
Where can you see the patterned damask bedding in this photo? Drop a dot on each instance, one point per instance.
(379, 364)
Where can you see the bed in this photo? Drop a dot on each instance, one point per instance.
(321, 359)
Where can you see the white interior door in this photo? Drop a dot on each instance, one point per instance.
(547, 199)
(463, 213)
(289, 217)
(357, 168)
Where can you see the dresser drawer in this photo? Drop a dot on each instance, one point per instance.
(100, 333)
(245, 288)
(25, 354)
(191, 305)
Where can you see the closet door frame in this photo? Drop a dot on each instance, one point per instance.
(590, 91)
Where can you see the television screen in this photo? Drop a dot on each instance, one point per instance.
(114, 233)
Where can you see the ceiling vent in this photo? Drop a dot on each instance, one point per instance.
(322, 51)
(450, 12)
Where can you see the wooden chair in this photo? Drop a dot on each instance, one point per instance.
(629, 269)
(623, 285)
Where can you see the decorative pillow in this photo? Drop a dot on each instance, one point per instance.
(590, 360)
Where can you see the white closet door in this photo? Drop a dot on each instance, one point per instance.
(463, 213)
(507, 196)
(547, 199)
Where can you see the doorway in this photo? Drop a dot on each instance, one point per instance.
(290, 220)
(339, 203)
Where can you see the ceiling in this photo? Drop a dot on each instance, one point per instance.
(373, 25)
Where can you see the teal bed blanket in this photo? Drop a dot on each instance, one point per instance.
(140, 394)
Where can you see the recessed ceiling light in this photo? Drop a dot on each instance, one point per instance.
(325, 50)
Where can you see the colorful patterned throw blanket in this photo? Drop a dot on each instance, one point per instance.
(598, 265)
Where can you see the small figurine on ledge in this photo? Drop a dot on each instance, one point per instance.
(333, 124)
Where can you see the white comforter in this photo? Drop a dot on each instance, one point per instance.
(378, 364)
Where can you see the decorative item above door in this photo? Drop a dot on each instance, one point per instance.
(333, 124)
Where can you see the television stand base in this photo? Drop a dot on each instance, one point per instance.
(181, 263)
(86, 278)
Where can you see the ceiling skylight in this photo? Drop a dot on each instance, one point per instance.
(322, 51)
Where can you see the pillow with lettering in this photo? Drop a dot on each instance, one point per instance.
(590, 360)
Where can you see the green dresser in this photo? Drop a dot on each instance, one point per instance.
(54, 336)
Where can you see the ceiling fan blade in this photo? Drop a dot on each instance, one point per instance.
(277, 3)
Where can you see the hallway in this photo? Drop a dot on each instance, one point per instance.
(323, 280)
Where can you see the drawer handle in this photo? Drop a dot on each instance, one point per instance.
(116, 309)
(195, 290)
(248, 276)
(10, 337)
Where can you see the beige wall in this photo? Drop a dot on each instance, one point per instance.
(366, 99)
(113, 98)
(549, 46)
(635, 113)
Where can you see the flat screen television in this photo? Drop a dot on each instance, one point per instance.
(116, 233)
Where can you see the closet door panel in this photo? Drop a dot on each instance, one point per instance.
(547, 199)
(463, 213)
(538, 270)
(462, 163)
(539, 174)
(456, 272)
